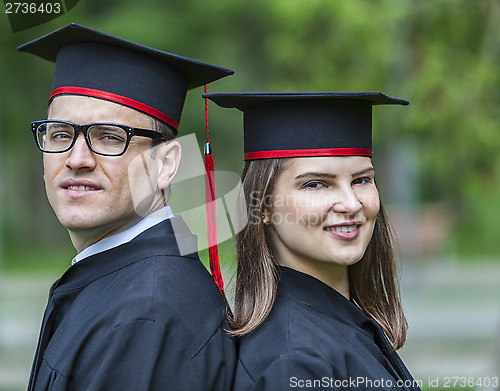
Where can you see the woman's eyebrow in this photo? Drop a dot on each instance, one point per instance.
(332, 176)
(365, 171)
(315, 174)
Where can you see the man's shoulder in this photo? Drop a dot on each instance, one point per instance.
(163, 281)
(147, 279)
(180, 301)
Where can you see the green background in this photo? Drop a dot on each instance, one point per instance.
(437, 160)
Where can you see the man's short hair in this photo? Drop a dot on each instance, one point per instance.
(167, 131)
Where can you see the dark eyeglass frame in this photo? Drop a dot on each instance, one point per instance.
(130, 131)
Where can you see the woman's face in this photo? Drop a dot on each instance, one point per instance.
(323, 212)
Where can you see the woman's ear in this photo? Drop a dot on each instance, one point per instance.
(170, 158)
(266, 216)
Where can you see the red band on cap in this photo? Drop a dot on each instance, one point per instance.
(117, 99)
(308, 153)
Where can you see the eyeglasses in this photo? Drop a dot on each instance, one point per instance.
(102, 139)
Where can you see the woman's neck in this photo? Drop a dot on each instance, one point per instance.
(331, 274)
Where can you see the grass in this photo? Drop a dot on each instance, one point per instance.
(35, 260)
(29, 260)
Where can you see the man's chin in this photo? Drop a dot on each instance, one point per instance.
(79, 225)
(80, 221)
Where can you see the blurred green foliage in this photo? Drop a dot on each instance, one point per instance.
(442, 55)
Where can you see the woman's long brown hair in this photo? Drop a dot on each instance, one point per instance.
(373, 281)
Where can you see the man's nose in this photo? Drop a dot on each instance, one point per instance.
(80, 156)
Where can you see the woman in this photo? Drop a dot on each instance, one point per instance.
(317, 299)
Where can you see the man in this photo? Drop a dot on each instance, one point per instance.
(131, 313)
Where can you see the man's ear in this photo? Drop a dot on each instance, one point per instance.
(170, 158)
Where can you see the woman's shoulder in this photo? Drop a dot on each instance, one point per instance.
(289, 370)
(292, 325)
(293, 331)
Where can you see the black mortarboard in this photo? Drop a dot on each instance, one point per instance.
(92, 63)
(299, 124)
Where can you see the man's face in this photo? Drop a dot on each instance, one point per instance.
(91, 194)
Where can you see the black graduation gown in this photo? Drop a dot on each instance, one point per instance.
(315, 338)
(136, 317)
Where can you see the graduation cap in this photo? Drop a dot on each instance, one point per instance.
(301, 124)
(92, 63)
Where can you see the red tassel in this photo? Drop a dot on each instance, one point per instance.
(213, 249)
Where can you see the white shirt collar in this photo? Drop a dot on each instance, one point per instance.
(125, 236)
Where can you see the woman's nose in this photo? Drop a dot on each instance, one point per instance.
(346, 201)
